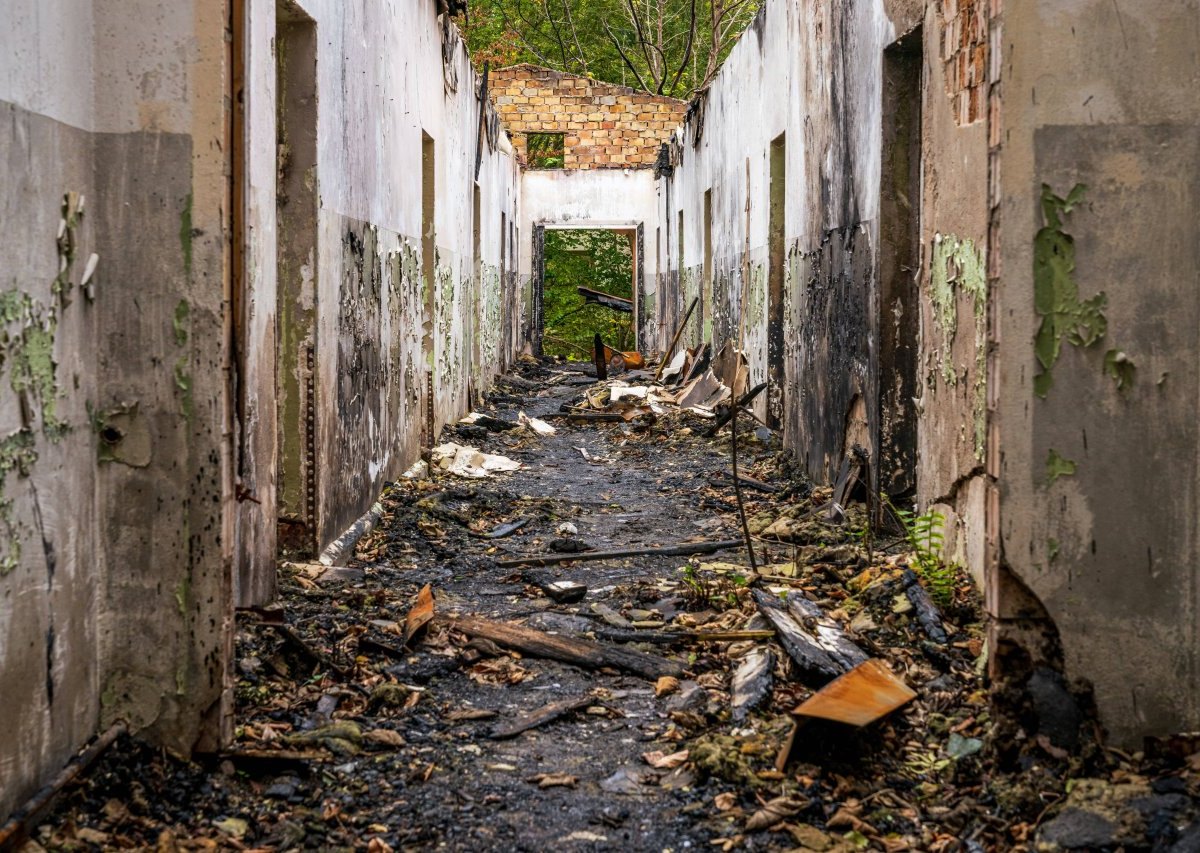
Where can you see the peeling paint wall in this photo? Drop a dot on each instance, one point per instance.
(806, 77)
(115, 545)
(1098, 505)
(842, 209)
(385, 74)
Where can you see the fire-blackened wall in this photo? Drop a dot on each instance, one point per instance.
(141, 190)
(884, 162)
(383, 329)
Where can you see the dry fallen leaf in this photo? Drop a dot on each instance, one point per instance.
(724, 802)
(387, 737)
(774, 811)
(662, 761)
(665, 685)
(378, 845)
(554, 780)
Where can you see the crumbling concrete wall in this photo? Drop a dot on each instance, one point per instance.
(378, 350)
(604, 126)
(115, 546)
(865, 306)
(1100, 169)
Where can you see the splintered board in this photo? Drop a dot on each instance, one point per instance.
(861, 696)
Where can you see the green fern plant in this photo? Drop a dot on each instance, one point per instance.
(925, 537)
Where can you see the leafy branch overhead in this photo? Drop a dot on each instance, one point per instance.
(668, 47)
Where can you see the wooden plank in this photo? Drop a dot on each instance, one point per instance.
(543, 715)
(827, 633)
(752, 682)
(861, 696)
(801, 646)
(572, 650)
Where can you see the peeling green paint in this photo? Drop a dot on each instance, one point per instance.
(185, 234)
(1121, 368)
(180, 322)
(29, 353)
(1056, 294)
(959, 267)
(17, 453)
(1057, 466)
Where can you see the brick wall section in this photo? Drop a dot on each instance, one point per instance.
(604, 126)
(965, 56)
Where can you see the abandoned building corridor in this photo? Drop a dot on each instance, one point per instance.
(586, 703)
(405, 444)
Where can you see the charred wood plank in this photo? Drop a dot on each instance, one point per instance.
(543, 715)
(572, 650)
(826, 632)
(684, 549)
(752, 682)
(928, 615)
(800, 645)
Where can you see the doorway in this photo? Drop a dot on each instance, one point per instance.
(776, 219)
(297, 202)
(899, 265)
(587, 282)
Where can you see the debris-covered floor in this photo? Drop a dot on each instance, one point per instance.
(665, 732)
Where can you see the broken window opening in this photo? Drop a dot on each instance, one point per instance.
(587, 289)
(899, 265)
(545, 150)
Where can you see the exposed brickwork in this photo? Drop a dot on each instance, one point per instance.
(964, 56)
(604, 126)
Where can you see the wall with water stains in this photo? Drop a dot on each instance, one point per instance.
(114, 544)
(828, 201)
(1098, 508)
(386, 327)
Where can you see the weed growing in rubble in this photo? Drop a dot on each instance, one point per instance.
(700, 592)
(925, 537)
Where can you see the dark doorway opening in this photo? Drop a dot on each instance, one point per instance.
(587, 281)
(296, 268)
(899, 265)
(429, 276)
(776, 258)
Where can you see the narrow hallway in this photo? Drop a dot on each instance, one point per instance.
(345, 738)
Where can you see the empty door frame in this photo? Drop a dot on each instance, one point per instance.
(297, 201)
(899, 265)
(637, 236)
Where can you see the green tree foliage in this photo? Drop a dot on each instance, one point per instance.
(669, 47)
(600, 260)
